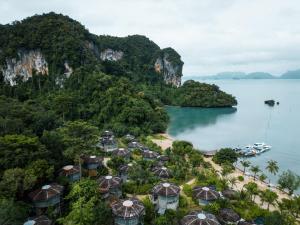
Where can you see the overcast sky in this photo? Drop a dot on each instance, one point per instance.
(211, 35)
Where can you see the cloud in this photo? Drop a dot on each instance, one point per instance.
(211, 35)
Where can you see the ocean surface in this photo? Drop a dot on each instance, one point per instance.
(249, 122)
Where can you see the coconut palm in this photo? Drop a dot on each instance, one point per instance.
(255, 170)
(232, 181)
(252, 190)
(270, 197)
(262, 177)
(272, 167)
(245, 164)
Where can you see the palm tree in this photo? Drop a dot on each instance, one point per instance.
(272, 167)
(262, 177)
(255, 170)
(252, 189)
(245, 164)
(269, 197)
(232, 181)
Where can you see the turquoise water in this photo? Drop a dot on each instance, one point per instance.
(251, 121)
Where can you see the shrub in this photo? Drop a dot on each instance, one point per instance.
(187, 189)
(241, 178)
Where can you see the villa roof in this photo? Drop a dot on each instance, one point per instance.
(245, 223)
(128, 208)
(163, 158)
(129, 137)
(107, 133)
(41, 220)
(108, 182)
(150, 154)
(228, 215)
(205, 193)
(92, 159)
(161, 172)
(229, 193)
(46, 192)
(125, 168)
(199, 218)
(69, 170)
(166, 189)
(121, 152)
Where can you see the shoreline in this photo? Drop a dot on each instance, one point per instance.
(167, 142)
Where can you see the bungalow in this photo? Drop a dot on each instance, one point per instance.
(124, 170)
(46, 196)
(110, 186)
(41, 220)
(91, 164)
(165, 196)
(149, 155)
(128, 212)
(199, 217)
(71, 172)
(205, 195)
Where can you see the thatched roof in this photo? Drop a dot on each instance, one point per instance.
(41, 220)
(199, 218)
(134, 144)
(129, 137)
(205, 193)
(150, 154)
(163, 158)
(125, 168)
(245, 223)
(228, 215)
(69, 170)
(108, 182)
(121, 152)
(230, 194)
(92, 159)
(166, 189)
(162, 172)
(46, 192)
(107, 133)
(128, 208)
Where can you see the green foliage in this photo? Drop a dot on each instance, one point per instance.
(79, 138)
(290, 181)
(241, 178)
(149, 211)
(20, 151)
(225, 155)
(13, 212)
(196, 94)
(187, 189)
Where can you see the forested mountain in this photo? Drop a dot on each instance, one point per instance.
(295, 74)
(53, 64)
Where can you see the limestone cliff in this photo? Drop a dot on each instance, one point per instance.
(169, 65)
(111, 55)
(24, 66)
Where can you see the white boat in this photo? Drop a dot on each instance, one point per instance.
(261, 146)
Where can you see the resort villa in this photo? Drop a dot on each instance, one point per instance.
(165, 196)
(110, 186)
(205, 195)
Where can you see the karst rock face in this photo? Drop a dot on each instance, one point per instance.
(111, 55)
(27, 63)
(60, 45)
(171, 71)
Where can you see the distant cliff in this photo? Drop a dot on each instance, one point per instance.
(53, 44)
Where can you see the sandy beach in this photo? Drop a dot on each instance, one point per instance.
(166, 141)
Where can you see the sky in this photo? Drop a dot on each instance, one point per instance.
(211, 36)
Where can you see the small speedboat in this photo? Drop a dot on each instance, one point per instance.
(262, 147)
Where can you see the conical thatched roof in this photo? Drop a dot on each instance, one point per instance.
(230, 194)
(228, 215)
(162, 172)
(245, 223)
(108, 182)
(41, 220)
(150, 154)
(92, 159)
(69, 170)
(46, 192)
(128, 208)
(205, 193)
(121, 152)
(125, 168)
(163, 158)
(199, 218)
(166, 189)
